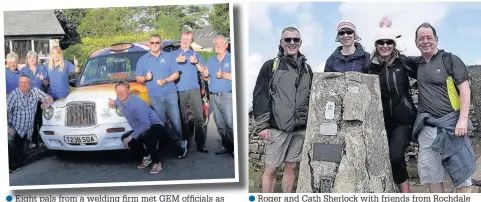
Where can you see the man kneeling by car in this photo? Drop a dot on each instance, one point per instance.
(147, 127)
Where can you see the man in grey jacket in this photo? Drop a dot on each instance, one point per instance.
(280, 109)
(443, 124)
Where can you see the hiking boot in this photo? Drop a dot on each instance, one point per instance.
(156, 168)
(145, 163)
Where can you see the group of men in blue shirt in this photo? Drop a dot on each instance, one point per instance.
(172, 80)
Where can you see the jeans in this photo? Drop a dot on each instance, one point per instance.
(37, 125)
(17, 148)
(169, 106)
(191, 103)
(150, 139)
(223, 116)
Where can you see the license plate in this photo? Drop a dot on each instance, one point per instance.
(81, 139)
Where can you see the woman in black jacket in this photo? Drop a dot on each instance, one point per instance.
(398, 106)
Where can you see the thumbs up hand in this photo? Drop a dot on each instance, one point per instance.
(219, 74)
(181, 58)
(193, 59)
(41, 77)
(75, 62)
(161, 82)
(148, 76)
(111, 103)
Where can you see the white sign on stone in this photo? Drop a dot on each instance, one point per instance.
(329, 114)
(328, 129)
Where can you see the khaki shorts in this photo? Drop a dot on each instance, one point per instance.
(284, 147)
(430, 169)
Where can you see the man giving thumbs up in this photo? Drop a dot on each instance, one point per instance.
(158, 70)
(220, 87)
(189, 91)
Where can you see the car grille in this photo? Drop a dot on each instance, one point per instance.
(81, 114)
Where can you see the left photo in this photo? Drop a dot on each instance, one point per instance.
(120, 96)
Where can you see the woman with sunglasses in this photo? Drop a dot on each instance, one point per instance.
(350, 56)
(398, 107)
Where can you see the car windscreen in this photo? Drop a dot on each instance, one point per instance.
(110, 68)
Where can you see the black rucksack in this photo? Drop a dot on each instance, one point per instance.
(448, 62)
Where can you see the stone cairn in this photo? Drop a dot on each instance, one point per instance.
(346, 147)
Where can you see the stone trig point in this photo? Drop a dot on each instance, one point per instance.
(346, 147)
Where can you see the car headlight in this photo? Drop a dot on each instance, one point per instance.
(48, 113)
(119, 112)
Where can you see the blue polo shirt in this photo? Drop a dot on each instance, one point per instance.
(59, 86)
(219, 85)
(189, 78)
(161, 67)
(12, 79)
(139, 114)
(35, 79)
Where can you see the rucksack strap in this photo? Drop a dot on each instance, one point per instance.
(448, 65)
(275, 65)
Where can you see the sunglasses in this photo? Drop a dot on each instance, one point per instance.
(348, 32)
(288, 40)
(382, 42)
(158, 42)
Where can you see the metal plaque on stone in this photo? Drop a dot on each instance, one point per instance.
(327, 152)
(329, 113)
(328, 129)
(325, 185)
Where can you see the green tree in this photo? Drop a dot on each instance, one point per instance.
(69, 20)
(75, 16)
(220, 20)
(172, 18)
(101, 22)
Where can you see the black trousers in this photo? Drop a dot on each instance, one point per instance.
(150, 140)
(399, 137)
(190, 102)
(37, 125)
(17, 147)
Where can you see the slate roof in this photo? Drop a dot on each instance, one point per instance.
(205, 36)
(31, 23)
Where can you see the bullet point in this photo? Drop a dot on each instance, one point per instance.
(252, 198)
(9, 198)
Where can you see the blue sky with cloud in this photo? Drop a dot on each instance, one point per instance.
(458, 26)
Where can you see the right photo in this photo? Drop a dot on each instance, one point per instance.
(349, 97)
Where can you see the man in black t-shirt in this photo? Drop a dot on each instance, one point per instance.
(444, 99)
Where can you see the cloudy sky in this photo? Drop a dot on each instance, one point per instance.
(458, 26)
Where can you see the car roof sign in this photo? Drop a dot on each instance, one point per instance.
(120, 47)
